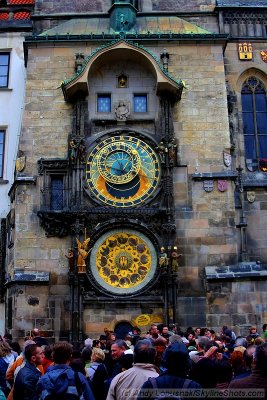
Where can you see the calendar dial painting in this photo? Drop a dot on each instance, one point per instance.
(123, 261)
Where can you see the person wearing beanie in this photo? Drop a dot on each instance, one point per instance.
(175, 377)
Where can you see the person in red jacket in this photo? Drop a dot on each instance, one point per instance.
(48, 358)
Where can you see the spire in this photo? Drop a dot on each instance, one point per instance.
(122, 15)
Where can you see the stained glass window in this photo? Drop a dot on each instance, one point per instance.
(56, 193)
(140, 103)
(254, 112)
(4, 69)
(104, 103)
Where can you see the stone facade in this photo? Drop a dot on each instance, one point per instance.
(208, 233)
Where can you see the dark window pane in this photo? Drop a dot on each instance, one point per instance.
(4, 59)
(253, 82)
(2, 135)
(262, 123)
(250, 147)
(248, 124)
(260, 100)
(262, 146)
(4, 67)
(3, 81)
(247, 102)
(57, 193)
(3, 70)
(104, 103)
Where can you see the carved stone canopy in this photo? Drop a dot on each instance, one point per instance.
(120, 50)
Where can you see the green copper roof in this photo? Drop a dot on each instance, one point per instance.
(144, 25)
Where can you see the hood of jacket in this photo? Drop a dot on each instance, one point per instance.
(56, 379)
(149, 367)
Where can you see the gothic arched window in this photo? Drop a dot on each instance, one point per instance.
(254, 112)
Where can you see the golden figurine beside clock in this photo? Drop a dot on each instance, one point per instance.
(122, 171)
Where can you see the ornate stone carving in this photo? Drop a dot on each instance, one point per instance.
(122, 111)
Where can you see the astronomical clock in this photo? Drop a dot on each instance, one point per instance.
(123, 173)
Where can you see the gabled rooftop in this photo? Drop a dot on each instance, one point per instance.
(15, 15)
(26, 2)
(144, 25)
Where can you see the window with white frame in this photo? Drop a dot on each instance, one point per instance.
(4, 69)
(2, 151)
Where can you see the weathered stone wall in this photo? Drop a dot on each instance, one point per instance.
(67, 6)
(241, 303)
(180, 5)
(97, 316)
(206, 222)
(238, 304)
(204, 231)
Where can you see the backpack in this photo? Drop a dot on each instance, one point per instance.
(166, 394)
(66, 391)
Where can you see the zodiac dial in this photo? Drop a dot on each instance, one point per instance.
(123, 261)
(122, 171)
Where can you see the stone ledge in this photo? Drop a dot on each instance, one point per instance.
(199, 176)
(250, 269)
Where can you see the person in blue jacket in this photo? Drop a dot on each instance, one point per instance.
(61, 380)
(28, 375)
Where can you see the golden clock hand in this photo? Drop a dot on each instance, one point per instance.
(125, 165)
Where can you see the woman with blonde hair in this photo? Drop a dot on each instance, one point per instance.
(97, 373)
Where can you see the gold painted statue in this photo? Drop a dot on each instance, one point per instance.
(82, 255)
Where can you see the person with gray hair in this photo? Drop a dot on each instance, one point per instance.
(128, 383)
(175, 338)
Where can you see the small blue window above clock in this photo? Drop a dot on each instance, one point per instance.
(140, 103)
(104, 103)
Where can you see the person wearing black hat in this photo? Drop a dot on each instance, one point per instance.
(175, 377)
(103, 342)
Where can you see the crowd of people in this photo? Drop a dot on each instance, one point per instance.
(163, 363)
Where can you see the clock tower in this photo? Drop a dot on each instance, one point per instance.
(125, 177)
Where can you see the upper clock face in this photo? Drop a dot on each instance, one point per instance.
(122, 171)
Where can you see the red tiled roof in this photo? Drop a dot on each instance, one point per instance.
(21, 1)
(3, 16)
(22, 15)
